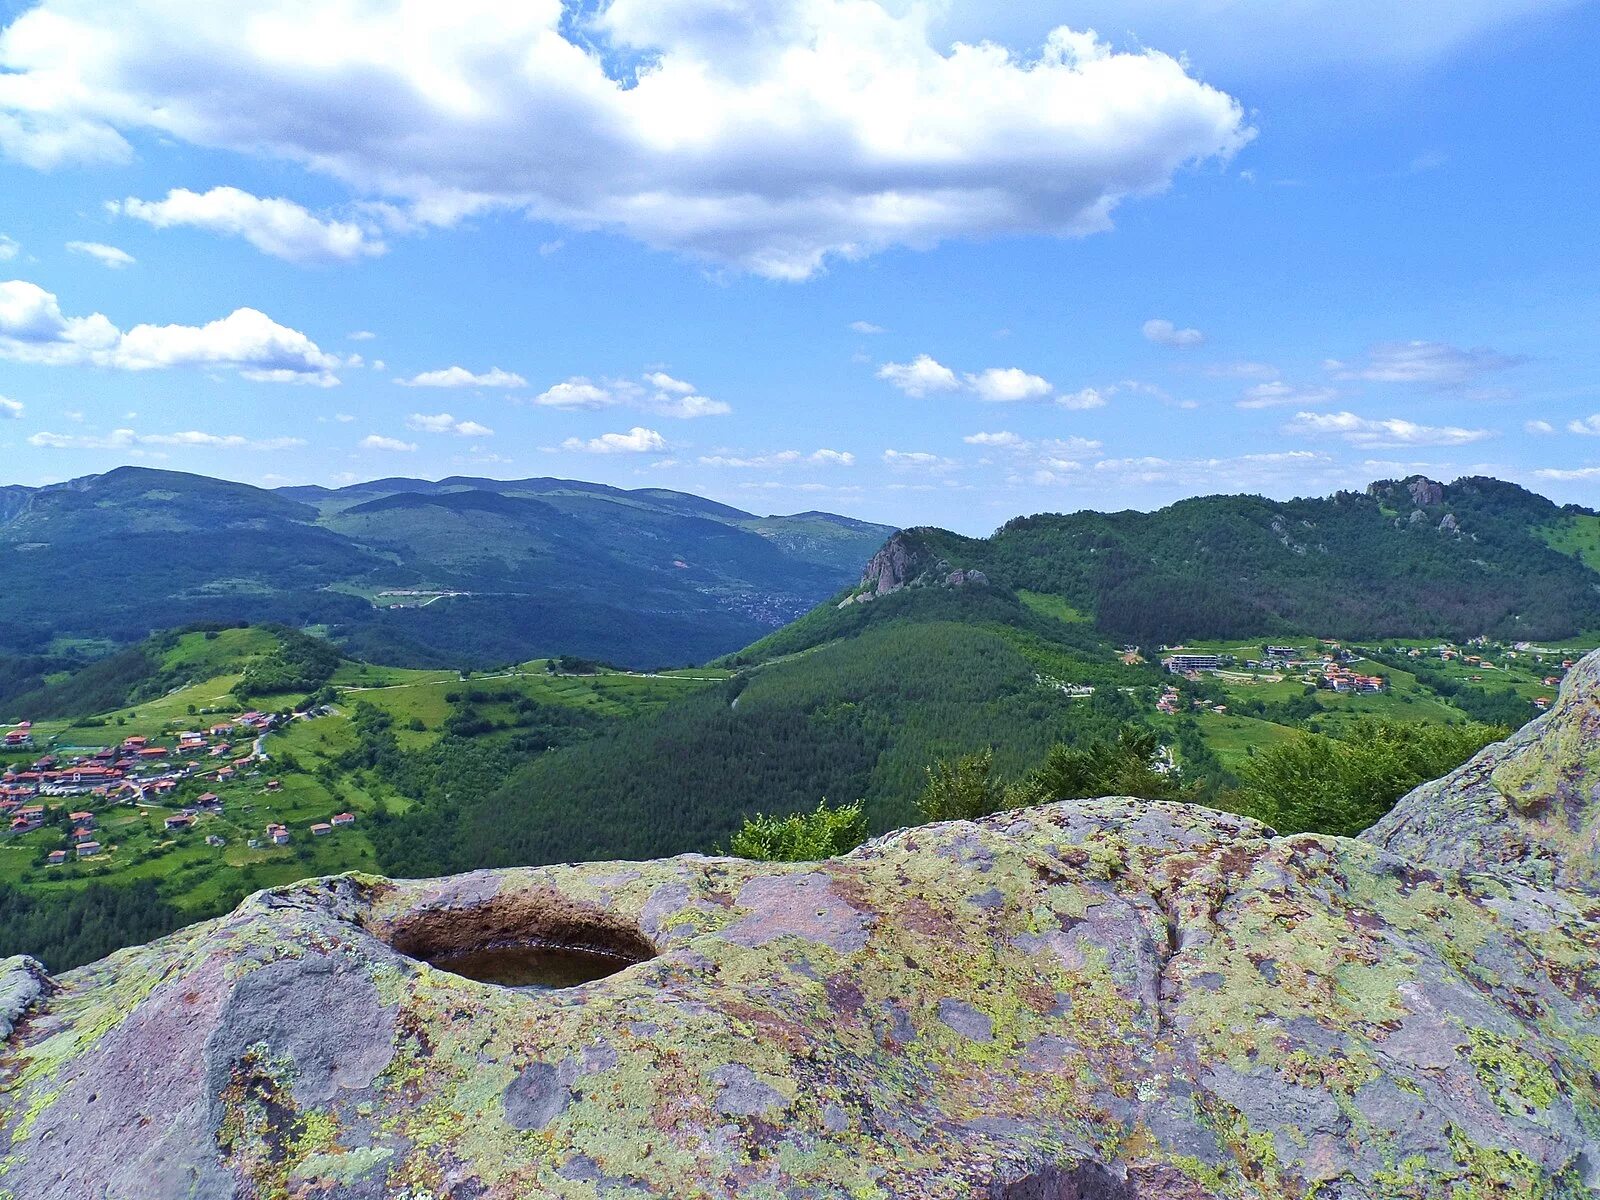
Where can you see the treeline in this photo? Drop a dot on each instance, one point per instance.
(65, 930)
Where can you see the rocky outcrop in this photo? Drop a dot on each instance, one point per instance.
(1526, 809)
(905, 560)
(1425, 493)
(1107, 998)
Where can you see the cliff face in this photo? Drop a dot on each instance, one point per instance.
(1108, 998)
(906, 561)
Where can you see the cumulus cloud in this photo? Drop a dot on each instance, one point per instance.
(769, 138)
(377, 441)
(10, 410)
(1539, 427)
(123, 439)
(106, 256)
(460, 377)
(866, 327)
(1282, 395)
(277, 227)
(445, 423)
(996, 384)
(1428, 364)
(1587, 426)
(33, 329)
(1002, 439)
(664, 396)
(1005, 385)
(920, 376)
(1391, 431)
(1164, 333)
(637, 440)
(9, 248)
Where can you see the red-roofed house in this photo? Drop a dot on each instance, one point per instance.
(344, 819)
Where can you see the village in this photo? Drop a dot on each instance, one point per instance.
(71, 787)
(1332, 666)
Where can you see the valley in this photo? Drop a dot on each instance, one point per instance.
(945, 647)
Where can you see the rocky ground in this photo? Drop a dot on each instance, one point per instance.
(1109, 999)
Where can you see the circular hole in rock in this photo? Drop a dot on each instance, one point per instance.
(529, 942)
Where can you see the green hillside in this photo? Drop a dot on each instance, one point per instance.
(463, 571)
(1405, 558)
(457, 730)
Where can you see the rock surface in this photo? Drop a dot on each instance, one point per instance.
(1113, 998)
(906, 561)
(1527, 808)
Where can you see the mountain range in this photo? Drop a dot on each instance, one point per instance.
(462, 571)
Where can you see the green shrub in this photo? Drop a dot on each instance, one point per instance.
(802, 837)
(1313, 783)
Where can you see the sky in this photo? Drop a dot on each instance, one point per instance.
(922, 263)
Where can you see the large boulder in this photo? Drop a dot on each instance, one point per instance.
(1526, 808)
(1113, 998)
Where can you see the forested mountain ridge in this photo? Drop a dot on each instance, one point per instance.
(1404, 559)
(463, 571)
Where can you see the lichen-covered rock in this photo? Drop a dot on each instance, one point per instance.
(1526, 808)
(1111, 999)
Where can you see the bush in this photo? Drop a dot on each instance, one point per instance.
(1318, 784)
(962, 789)
(802, 837)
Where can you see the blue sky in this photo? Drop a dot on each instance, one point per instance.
(917, 263)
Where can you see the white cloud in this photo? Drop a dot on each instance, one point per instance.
(277, 227)
(34, 330)
(866, 327)
(445, 423)
(10, 409)
(460, 377)
(9, 248)
(770, 137)
(1392, 431)
(1297, 468)
(377, 441)
(920, 376)
(1268, 37)
(1164, 333)
(1084, 399)
(1002, 439)
(1587, 426)
(916, 460)
(576, 392)
(661, 381)
(122, 439)
(1567, 474)
(361, 335)
(665, 396)
(106, 256)
(1432, 364)
(1540, 427)
(780, 458)
(1279, 394)
(637, 440)
(1004, 385)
